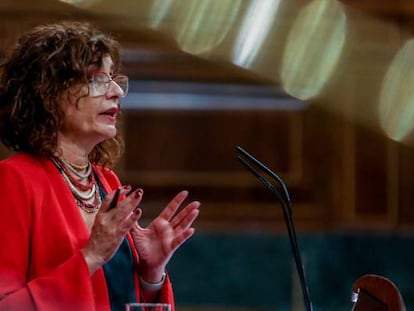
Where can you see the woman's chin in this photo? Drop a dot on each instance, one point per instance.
(107, 133)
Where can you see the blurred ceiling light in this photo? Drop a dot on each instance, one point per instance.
(313, 48)
(81, 3)
(203, 24)
(255, 28)
(159, 10)
(396, 101)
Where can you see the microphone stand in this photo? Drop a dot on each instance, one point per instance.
(285, 202)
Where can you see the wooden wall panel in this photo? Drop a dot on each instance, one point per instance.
(370, 174)
(171, 150)
(373, 177)
(406, 182)
(340, 175)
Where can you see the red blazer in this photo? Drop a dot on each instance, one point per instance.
(41, 235)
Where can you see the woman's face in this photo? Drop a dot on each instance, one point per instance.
(91, 119)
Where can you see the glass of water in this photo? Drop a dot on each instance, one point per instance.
(147, 307)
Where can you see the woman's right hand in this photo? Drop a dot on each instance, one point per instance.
(110, 227)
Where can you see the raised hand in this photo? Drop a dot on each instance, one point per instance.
(110, 226)
(163, 236)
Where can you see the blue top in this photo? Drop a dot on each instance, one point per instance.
(119, 273)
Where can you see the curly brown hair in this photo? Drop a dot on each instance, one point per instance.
(45, 62)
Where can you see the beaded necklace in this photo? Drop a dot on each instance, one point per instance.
(77, 169)
(83, 194)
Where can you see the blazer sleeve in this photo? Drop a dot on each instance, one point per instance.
(64, 287)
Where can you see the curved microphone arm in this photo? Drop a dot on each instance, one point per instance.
(269, 172)
(285, 202)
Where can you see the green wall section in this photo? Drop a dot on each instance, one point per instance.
(255, 270)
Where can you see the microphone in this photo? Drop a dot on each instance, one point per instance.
(250, 162)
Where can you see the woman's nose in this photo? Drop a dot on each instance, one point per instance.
(115, 90)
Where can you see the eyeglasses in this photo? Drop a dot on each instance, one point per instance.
(101, 82)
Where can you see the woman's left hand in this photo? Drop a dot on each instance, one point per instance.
(157, 242)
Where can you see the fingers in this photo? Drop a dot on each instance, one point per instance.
(122, 213)
(173, 206)
(181, 238)
(131, 202)
(182, 224)
(132, 220)
(186, 217)
(183, 228)
(111, 200)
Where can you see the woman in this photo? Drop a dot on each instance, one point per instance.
(70, 237)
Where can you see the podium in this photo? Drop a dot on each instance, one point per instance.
(376, 293)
